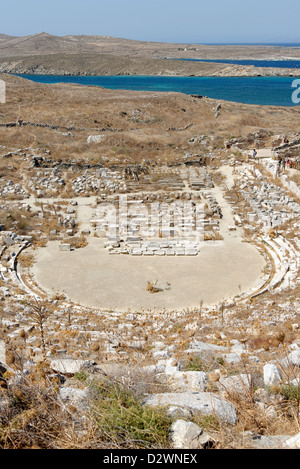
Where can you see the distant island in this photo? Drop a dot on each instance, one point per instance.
(105, 55)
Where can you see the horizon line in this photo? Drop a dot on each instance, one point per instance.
(241, 43)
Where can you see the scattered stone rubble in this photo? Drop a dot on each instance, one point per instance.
(107, 340)
(271, 204)
(149, 344)
(268, 208)
(171, 247)
(173, 225)
(9, 188)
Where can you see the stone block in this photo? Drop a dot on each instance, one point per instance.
(64, 247)
(205, 402)
(272, 375)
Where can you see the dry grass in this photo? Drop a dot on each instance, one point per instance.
(97, 111)
(76, 242)
(35, 416)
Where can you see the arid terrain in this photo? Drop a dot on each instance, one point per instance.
(112, 341)
(101, 55)
(43, 43)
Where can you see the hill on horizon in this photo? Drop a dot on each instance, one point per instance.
(44, 43)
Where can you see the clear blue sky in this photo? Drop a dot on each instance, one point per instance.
(195, 21)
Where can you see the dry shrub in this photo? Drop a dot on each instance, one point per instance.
(76, 242)
(21, 220)
(34, 416)
(151, 288)
(26, 260)
(264, 342)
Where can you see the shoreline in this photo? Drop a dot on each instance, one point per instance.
(256, 90)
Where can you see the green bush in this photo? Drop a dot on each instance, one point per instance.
(195, 364)
(124, 421)
(291, 392)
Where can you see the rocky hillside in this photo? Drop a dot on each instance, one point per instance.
(105, 64)
(45, 44)
(100, 55)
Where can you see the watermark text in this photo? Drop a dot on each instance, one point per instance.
(2, 92)
(296, 93)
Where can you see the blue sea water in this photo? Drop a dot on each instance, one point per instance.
(276, 91)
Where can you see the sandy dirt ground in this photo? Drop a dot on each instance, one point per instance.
(94, 278)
